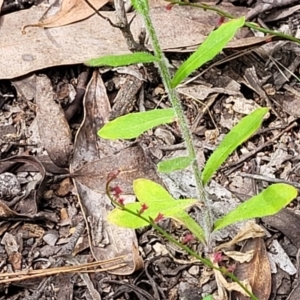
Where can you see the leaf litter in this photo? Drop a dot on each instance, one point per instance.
(70, 11)
(89, 158)
(106, 240)
(37, 49)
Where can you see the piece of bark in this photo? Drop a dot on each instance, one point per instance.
(54, 129)
(126, 97)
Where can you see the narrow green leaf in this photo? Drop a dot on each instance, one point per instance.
(209, 297)
(132, 125)
(174, 164)
(150, 192)
(141, 6)
(135, 4)
(124, 219)
(158, 201)
(268, 202)
(190, 224)
(237, 135)
(122, 60)
(214, 43)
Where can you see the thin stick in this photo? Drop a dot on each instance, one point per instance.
(269, 179)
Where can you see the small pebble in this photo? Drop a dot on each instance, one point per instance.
(194, 270)
(9, 185)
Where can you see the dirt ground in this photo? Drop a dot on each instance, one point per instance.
(55, 240)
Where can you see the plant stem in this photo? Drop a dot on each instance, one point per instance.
(229, 16)
(170, 238)
(176, 104)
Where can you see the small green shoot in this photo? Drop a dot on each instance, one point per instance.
(132, 125)
(122, 60)
(269, 202)
(214, 43)
(237, 135)
(158, 201)
(174, 164)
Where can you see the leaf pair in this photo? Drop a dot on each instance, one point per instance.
(239, 134)
(269, 202)
(132, 125)
(159, 201)
(214, 43)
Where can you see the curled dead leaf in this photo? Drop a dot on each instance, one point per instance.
(250, 230)
(71, 11)
(240, 256)
(26, 207)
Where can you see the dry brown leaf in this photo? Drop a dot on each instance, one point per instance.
(40, 48)
(253, 273)
(240, 256)
(223, 285)
(93, 159)
(257, 271)
(106, 241)
(206, 275)
(131, 161)
(281, 13)
(71, 11)
(290, 102)
(250, 230)
(286, 221)
(54, 129)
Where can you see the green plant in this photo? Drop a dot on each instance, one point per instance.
(154, 202)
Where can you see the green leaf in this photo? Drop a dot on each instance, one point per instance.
(268, 202)
(122, 60)
(141, 6)
(184, 218)
(237, 135)
(148, 191)
(158, 201)
(135, 4)
(132, 125)
(152, 193)
(174, 164)
(214, 43)
(209, 297)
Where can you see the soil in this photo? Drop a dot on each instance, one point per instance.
(43, 225)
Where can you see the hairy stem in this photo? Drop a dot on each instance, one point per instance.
(222, 13)
(142, 7)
